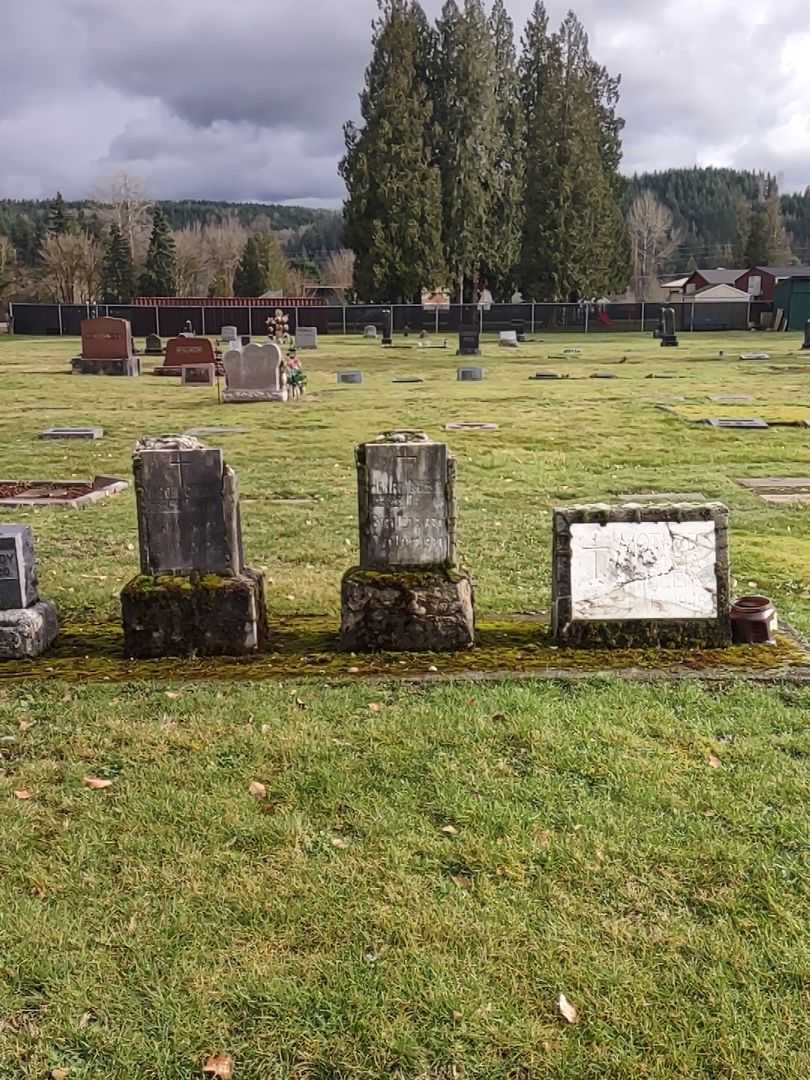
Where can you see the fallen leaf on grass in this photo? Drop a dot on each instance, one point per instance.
(95, 783)
(87, 1019)
(339, 842)
(172, 695)
(59, 1074)
(220, 1066)
(461, 881)
(451, 830)
(567, 1010)
(257, 790)
(715, 762)
(23, 794)
(542, 838)
(25, 725)
(375, 707)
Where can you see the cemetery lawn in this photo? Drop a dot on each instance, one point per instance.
(425, 868)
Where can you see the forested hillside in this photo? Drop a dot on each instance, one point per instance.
(704, 203)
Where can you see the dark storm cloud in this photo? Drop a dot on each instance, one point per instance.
(246, 100)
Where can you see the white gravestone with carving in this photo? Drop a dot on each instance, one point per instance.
(255, 374)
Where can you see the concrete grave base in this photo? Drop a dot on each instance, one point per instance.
(248, 397)
(27, 632)
(406, 611)
(81, 365)
(203, 615)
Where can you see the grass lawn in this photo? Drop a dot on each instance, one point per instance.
(431, 866)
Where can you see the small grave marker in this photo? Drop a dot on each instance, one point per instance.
(408, 379)
(198, 375)
(306, 337)
(732, 399)
(470, 425)
(28, 624)
(508, 338)
(755, 356)
(754, 423)
(779, 490)
(72, 433)
(350, 377)
(154, 345)
(549, 375)
(470, 374)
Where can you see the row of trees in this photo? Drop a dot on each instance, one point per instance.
(122, 245)
(475, 165)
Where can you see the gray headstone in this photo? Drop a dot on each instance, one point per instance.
(406, 502)
(18, 571)
(508, 338)
(668, 333)
(806, 342)
(198, 375)
(229, 333)
(188, 508)
(254, 374)
(72, 433)
(27, 632)
(154, 346)
(350, 376)
(306, 337)
(734, 422)
(470, 374)
(370, 331)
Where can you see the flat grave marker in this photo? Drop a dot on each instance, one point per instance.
(198, 375)
(350, 377)
(746, 423)
(470, 374)
(470, 425)
(72, 433)
(778, 490)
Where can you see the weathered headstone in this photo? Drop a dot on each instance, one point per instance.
(370, 331)
(668, 334)
(229, 333)
(186, 350)
(470, 374)
(548, 375)
(639, 575)
(72, 433)
(254, 374)
(806, 342)
(106, 349)
(406, 594)
(198, 375)
(388, 326)
(508, 338)
(154, 345)
(194, 596)
(752, 423)
(350, 376)
(469, 343)
(28, 624)
(306, 337)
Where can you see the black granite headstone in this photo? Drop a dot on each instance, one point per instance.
(18, 575)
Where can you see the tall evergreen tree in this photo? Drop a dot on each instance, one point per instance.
(393, 206)
(249, 277)
(467, 138)
(159, 275)
(57, 216)
(118, 281)
(573, 215)
(503, 252)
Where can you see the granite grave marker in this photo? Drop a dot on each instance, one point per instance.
(28, 624)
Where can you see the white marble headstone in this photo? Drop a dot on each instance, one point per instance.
(644, 570)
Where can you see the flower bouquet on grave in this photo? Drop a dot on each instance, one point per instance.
(296, 376)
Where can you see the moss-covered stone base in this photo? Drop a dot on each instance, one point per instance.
(203, 615)
(406, 611)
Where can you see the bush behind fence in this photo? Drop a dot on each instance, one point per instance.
(65, 319)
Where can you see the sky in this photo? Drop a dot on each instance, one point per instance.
(246, 100)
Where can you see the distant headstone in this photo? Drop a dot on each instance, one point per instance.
(470, 374)
(548, 375)
(641, 575)
(72, 433)
(603, 375)
(154, 345)
(306, 337)
(350, 376)
(470, 425)
(188, 350)
(198, 375)
(469, 343)
(736, 422)
(106, 349)
(370, 332)
(806, 342)
(388, 326)
(508, 338)
(408, 379)
(755, 356)
(28, 624)
(229, 333)
(405, 595)
(194, 595)
(254, 374)
(732, 399)
(245, 339)
(668, 333)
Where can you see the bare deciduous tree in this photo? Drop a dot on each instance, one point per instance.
(8, 266)
(224, 243)
(653, 237)
(191, 261)
(298, 283)
(124, 203)
(338, 271)
(72, 267)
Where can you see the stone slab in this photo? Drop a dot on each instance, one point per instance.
(779, 490)
(755, 356)
(26, 633)
(663, 497)
(406, 502)
(306, 337)
(752, 423)
(732, 399)
(197, 616)
(72, 433)
(188, 508)
(201, 432)
(18, 568)
(352, 377)
(542, 375)
(198, 375)
(129, 367)
(469, 343)
(415, 379)
(103, 487)
(603, 375)
(248, 397)
(508, 338)
(640, 575)
(229, 333)
(470, 374)
(470, 425)
(418, 611)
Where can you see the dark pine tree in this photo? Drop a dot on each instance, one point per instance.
(57, 216)
(159, 275)
(249, 279)
(119, 283)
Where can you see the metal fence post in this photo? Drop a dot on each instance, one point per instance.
(250, 320)
(157, 320)
(344, 320)
(643, 306)
(587, 315)
(61, 330)
(533, 307)
(436, 318)
(692, 319)
(202, 314)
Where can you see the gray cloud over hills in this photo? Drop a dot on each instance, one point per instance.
(246, 101)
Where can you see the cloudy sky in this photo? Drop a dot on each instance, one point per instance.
(245, 100)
